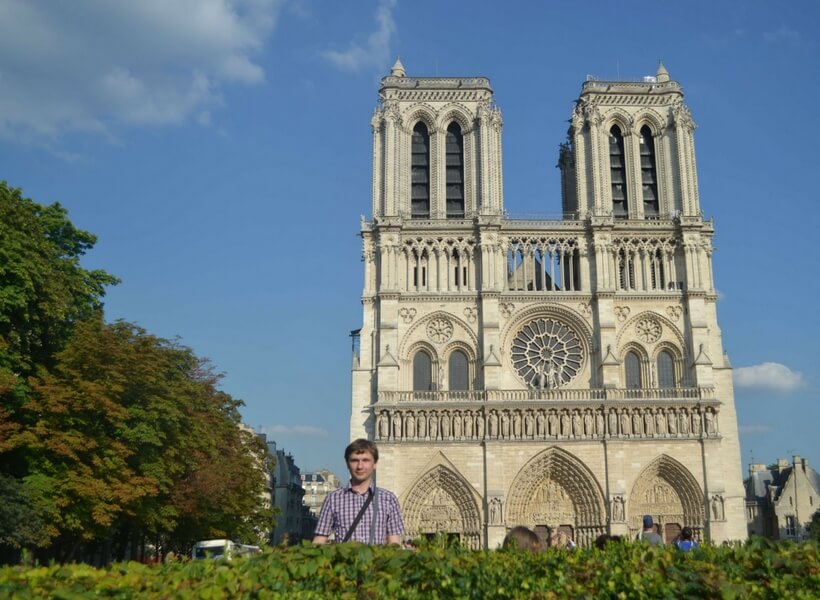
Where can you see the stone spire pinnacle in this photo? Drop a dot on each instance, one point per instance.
(662, 75)
(398, 69)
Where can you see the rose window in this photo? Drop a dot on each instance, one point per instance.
(649, 330)
(546, 354)
(439, 330)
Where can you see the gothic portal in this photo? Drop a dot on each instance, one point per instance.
(563, 373)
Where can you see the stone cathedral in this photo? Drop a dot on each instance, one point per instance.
(563, 373)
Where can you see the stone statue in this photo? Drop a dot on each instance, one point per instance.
(493, 424)
(410, 426)
(505, 425)
(495, 511)
(717, 507)
(626, 426)
(540, 425)
(637, 424)
(396, 426)
(649, 422)
(660, 422)
(577, 427)
(696, 422)
(613, 422)
(432, 426)
(479, 425)
(528, 424)
(516, 421)
(618, 509)
(421, 425)
(565, 431)
(457, 425)
(445, 426)
(683, 419)
(599, 422)
(673, 422)
(384, 429)
(588, 424)
(711, 429)
(553, 423)
(468, 425)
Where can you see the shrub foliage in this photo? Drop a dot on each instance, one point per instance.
(759, 569)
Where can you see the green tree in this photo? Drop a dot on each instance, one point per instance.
(132, 441)
(814, 526)
(43, 289)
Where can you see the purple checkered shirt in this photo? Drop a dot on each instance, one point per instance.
(341, 506)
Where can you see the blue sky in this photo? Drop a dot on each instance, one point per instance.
(221, 151)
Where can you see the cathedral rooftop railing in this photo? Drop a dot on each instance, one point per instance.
(437, 82)
(558, 394)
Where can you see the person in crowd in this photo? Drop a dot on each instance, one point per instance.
(649, 535)
(360, 511)
(561, 540)
(685, 542)
(523, 538)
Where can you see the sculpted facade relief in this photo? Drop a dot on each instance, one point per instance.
(520, 423)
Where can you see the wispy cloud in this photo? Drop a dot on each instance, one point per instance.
(93, 66)
(783, 35)
(294, 430)
(375, 52)
(752, 429)
(769, 376)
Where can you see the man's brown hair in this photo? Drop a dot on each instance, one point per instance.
(359, 446)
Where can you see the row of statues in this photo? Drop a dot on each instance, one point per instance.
(540, 424)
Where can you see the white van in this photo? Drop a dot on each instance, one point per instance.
(222, 549)
(215, 549)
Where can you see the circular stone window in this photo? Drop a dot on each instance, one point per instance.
(546, 354)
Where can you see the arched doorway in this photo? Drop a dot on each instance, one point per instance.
(440, 502)
(671, 494)
(556, 492)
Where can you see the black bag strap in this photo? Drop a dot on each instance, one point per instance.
(359, 516)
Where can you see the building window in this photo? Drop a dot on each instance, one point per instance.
(422, 372)
(459, 371)
(666, 370)
(420, 173)
(791, 527)
(455, 172)
(649, 174)
(632, 367)
(617, 172)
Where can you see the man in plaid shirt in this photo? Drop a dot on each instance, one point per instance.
(381, 521)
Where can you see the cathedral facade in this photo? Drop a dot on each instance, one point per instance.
(566, 374)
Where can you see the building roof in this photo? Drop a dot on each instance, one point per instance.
(762, 480)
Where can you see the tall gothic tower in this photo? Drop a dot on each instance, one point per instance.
(563, 374)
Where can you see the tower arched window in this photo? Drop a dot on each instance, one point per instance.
(617, 172)
(458, 371)
(455, 172)
(649, 174)
(422, 372)
(420, 173)
(632, 370)
(666, 370)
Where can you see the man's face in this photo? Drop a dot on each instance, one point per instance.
(361, 466)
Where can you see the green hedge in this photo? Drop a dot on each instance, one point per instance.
(758, 569)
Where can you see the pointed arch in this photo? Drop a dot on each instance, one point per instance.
(440, 501)
(557, 489)
(669, 492)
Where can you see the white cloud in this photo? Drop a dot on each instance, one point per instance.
(93, 65)
(783, 35)
(751, 429)
(294, 430)
(376, 51)
(769, 376)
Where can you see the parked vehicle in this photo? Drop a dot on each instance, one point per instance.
(222, 549)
